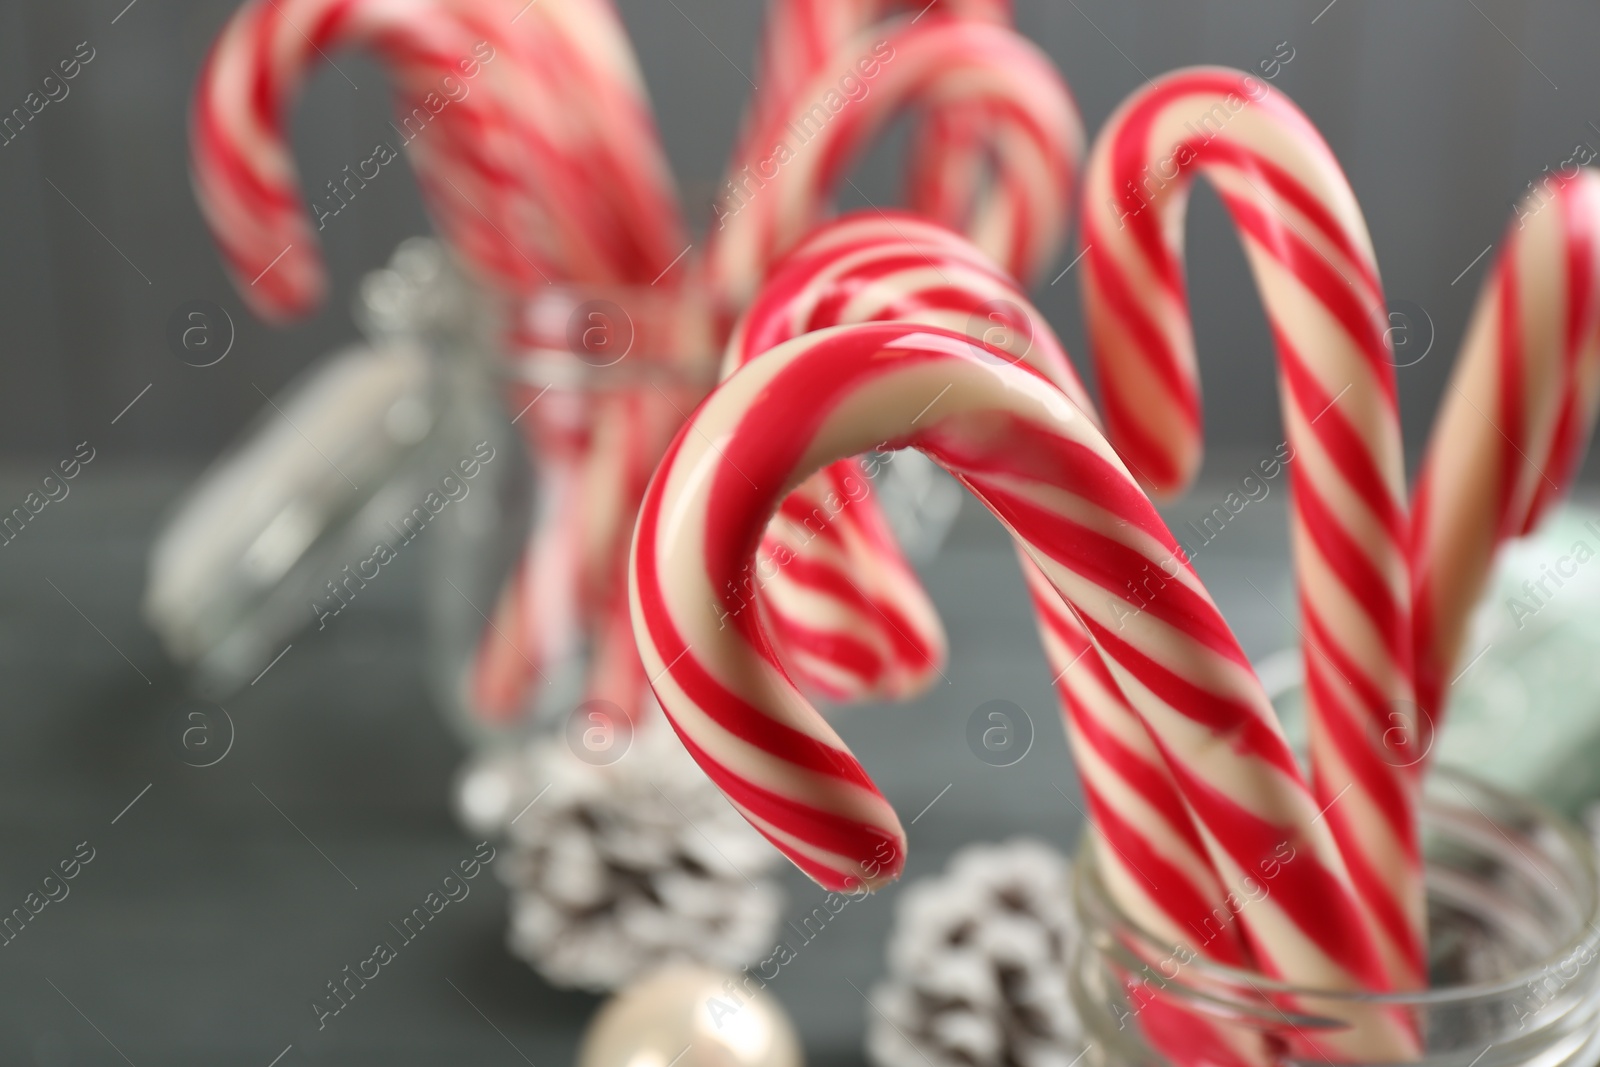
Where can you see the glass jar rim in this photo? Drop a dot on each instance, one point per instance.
(666, 329)
(1087, 885)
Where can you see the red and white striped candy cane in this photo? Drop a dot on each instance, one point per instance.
(1515, 420)
(802, 37)
(931, 63)
(949, 144)
(471, 148)
(453, 100)
(1313, 263)
(1033, 458)
(528, 184)
(896, 267)
(846, 608)
(522, 178)
(607, 128)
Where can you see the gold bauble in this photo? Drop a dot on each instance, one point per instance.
(690, 1016)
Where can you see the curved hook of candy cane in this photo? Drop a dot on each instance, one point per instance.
(801, 37)
(879, 265)
(1515, 419)
(472, 128)
(1034, 460)
(1312, 259)
(519, 187)
(949, 152)
(845, 605)
(931, 63)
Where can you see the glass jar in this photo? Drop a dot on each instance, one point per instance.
(587, 373)
(463, 422)
(591, 384)
(278, 534)
(1513, 942)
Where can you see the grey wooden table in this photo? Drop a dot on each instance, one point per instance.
(220, 900)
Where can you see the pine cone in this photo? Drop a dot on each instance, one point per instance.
(978, 965)
(616, 870)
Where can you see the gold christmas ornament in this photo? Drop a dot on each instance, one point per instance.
(667, 1019)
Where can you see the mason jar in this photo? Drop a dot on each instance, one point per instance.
(1513, 941)
(592, 383)
(296, 519)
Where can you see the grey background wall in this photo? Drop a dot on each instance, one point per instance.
(1441, 111)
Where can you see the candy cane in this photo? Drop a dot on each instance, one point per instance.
(469, 146)
(846, 607)
(612, 130)
(469, 151)
(1042, 468)
(932, 63)
(949, 144)
(1313, 262)
(801, 37)
(894, 266)
(522, 177)
(542, 164)
(1515, 418)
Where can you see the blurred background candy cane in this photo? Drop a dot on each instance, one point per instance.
(949, 154)
(793, 157)
(1514, 423)
(474, 141)
(949, 70)
(542, 164)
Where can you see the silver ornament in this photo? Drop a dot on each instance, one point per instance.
(690, 1016)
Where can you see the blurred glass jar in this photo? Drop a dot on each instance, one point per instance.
(591, 384)
(482, 422)
(596, 381)
(1513, 954)
(272, 529)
